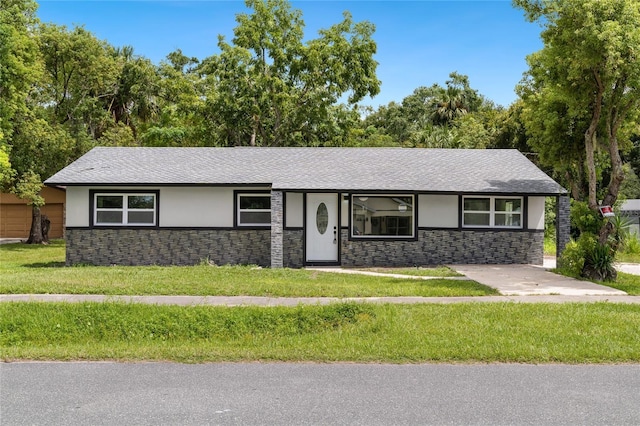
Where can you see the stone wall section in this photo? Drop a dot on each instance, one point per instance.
(168, 246)
(293, 253)
(252, 246)
(563, 224)
(277, 228)
(441, 247)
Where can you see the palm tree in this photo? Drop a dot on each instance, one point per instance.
(449, 104)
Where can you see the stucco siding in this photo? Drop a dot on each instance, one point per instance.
(437, 211)
(182, 207)
(77, 207)
(536, 213)
(344, 210)
(196, 207)
(294, 207)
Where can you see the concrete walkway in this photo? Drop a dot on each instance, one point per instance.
(295, 301)
(509, 280)
(352, 271)
(529, 280)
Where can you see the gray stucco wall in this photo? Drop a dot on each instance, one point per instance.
(440, 247)
(167, 246)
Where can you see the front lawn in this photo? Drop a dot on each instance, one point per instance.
(471, 332)
(40, 269)
(626, 282)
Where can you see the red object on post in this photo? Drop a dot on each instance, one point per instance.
(607, 211)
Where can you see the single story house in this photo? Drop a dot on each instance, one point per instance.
(16, 214)
(630, 211)
(294, 207)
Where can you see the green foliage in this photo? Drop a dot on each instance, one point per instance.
(454, 116)
(269, 87)
(19, 61)
(598, 262)
(573, 257)
(550, 218)
(583, 219)
(587, 257)
(621, 234)
(118, 135)
(29, 187)
(582, 91)
(6, 172)
(549, 246)
(631, 248)
(630, 188)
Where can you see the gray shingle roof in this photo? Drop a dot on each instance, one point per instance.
(373, 169)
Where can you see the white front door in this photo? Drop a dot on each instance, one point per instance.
(322, 228)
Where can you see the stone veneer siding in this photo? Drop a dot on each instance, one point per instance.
(252, 246)
(277, 225)
(292, 248)
(563, 224)
(441, 247)
(168, 246)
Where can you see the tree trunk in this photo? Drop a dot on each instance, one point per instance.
(590, 143)
(590, 149)
(46, 226)
(35, 234)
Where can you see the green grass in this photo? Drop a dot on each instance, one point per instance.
(628, 257)
(40, 269)
(628, 283)
(549, 246)
(497, 332)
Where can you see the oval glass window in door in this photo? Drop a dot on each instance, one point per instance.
(322, 218)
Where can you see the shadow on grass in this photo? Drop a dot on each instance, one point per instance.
(44, 265)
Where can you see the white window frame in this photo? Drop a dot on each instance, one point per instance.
(240, 210)
(125, 208)
(414, 218)
(492, 211)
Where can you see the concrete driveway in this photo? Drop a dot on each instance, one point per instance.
(529, 280)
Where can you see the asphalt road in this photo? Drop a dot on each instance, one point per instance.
(336, 394)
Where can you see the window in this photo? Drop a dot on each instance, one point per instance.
(254, 210)
(385, 216)
(492, 212)
(124, 209)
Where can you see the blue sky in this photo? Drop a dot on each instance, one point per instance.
(419, 42)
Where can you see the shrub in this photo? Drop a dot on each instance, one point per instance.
(573, 257)
(598, 263)
(583, 219)
(632, 245)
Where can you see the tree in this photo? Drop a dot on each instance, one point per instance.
(81, 80)
(180, 118)
(454, 100)
(19, 61)
(133, 99)
(268, 87)
(454, 116)
(20, 68)
(63, 110)
(589, 69)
